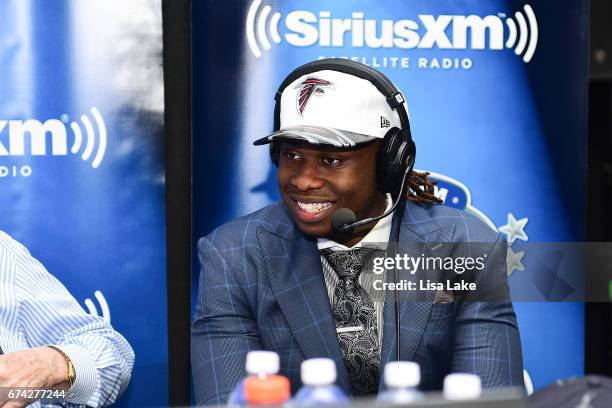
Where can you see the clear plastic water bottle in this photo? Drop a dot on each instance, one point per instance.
(460, 386)
(402, 379)
(318, 379)
(260, 364)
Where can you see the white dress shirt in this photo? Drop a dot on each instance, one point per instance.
(37, 310)
(377, 238)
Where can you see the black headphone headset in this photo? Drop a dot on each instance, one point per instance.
(397, 150)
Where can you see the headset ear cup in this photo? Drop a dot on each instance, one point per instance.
(397, 150)
(386, 151)
(405, 158)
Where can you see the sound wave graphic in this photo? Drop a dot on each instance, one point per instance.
(256, 28)
(91, 307)
(524, 32)
(91, 139)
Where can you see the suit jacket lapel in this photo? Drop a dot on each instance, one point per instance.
(296, 278)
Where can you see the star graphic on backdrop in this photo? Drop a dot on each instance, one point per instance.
(515, 228)
(513, 261)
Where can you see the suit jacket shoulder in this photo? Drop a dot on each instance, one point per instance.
(232, 251)
(421, 220)
(239, 231)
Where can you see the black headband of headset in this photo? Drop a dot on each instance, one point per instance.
(376, 78)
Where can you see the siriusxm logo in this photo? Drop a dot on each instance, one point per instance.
(51, 137)
(457, 32)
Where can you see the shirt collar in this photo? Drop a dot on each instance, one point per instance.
(378, 237)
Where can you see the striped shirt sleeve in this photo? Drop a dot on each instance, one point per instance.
(49, 315)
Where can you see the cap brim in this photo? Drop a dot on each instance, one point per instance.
(317, 135)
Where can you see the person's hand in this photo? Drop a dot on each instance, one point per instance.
(36, 368)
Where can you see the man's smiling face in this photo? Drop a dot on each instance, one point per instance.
(314, 181)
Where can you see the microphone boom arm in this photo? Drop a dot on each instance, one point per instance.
(350, 226)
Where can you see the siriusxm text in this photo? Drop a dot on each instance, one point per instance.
(15, 133)
(443, 31)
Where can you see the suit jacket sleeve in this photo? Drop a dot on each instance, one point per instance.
(487, 341)
(224, 328)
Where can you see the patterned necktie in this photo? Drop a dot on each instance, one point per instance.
(352, 308)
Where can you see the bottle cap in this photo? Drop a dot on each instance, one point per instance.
(402, 374)
(262, 362)
(273, 389)
(318, 371)
(461, 386)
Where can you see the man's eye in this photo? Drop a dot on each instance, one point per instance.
(331, 161)
(292, 155)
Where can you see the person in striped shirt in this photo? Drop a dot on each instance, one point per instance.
(47, 340)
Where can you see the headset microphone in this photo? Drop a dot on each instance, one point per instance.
(344, 219)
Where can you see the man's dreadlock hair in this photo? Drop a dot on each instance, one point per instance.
(421, 188)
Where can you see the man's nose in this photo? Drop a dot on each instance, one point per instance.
(307, 177)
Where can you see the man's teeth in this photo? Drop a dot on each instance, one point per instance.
(314, 207)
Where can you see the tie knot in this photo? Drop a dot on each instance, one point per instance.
(347, 264)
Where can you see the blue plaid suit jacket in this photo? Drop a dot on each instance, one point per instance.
(262, 287)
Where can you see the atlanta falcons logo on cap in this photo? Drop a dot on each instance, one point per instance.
(309, 87)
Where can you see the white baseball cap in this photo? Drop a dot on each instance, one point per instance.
(333, 108)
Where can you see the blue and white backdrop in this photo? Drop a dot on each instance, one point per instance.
(82, 166)
(497, 98)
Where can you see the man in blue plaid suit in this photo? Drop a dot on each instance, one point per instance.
(265, 283)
